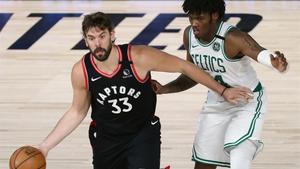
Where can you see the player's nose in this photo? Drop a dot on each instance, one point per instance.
(98, 43)
(194, 22)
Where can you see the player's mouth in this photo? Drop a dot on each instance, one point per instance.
(99, 52)
(196, 31)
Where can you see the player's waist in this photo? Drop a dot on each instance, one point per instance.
(123, 127)
(214, 97)
(254, 86)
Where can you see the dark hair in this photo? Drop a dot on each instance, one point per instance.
(97, 19)
(204, 6)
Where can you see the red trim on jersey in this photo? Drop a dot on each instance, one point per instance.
(106, 74)
(84, 73)
(133, 67)
(93, 123)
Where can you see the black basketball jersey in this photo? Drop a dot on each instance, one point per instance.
(122, 103)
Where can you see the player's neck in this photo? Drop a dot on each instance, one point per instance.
(212, 32)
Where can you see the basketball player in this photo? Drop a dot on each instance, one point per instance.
(228, 135)
(115, 81)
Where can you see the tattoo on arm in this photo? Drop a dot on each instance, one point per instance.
(251, 43)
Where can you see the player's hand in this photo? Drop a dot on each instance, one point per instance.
(157, 87)
(238, 95)
(279, 62)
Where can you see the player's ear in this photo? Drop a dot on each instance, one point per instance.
(113, 37)
(215, 16)
(85, 41)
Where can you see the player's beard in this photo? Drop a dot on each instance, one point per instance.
(102, 54)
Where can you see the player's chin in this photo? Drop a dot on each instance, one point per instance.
(198, 35)
(101, 57)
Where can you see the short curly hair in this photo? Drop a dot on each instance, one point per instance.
(204, 6)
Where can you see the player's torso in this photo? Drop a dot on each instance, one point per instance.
(121, 102)
(212, 58)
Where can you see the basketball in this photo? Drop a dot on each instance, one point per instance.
(27, 157)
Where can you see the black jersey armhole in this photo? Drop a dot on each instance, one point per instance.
(83, 66)
(136, 75)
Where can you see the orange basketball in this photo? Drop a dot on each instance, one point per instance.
(27, 157)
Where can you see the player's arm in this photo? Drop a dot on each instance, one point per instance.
(241, 43)
(182, 82)
(149, 59)
(73, 117)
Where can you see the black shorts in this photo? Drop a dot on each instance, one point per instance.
(140, 151)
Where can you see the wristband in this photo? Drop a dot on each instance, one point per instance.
(264, 58)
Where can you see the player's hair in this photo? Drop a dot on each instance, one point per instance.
(97, 19)
(204, 6)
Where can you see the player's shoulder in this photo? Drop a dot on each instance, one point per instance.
(186, 35)
(136, 49)
(78, 64)
(187, 30)
(234, 33)
(78, 67)
(79, 74)
(235, 36)
(140, 50)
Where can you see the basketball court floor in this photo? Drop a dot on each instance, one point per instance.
(41, 40)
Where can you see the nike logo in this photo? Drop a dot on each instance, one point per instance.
(94, 79)
(193, 46)
(154, 122)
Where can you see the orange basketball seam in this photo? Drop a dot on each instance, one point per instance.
(28, 158)
(42, 166)
(14, 167)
